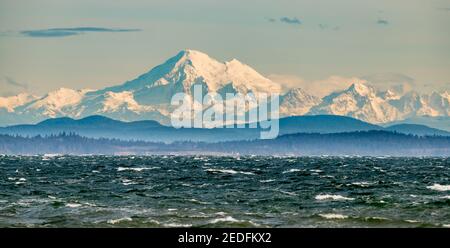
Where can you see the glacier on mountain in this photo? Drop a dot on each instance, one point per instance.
(149, 96)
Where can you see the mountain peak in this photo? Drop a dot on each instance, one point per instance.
(297, 102)
(192, 52)
(389, 95)
(193, 58)
(361, 89)
(191, 66)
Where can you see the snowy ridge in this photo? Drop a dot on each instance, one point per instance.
(148, 96)
(359, 101)
(11, 102)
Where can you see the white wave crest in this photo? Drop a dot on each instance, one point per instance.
(73, 205)
(439, 187)
(292, 170)
(327, 197)
(228, 171)
(267, 181)
(333, 216)
(137, 169)
(224, 219)
(115, 221)
(176, 225)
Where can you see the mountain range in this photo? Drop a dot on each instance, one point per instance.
(103, 127)
(148, 96)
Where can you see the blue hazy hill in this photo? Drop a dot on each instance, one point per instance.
(323, 124)
(438, 122)
(417, 129)
(103, 127)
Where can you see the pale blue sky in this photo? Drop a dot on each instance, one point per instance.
(311, 39)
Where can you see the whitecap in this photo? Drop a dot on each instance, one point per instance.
(137, 169)
(362, 184)
(197, 201)
(333, 216)
(267, 181)
(115, 221)
(292, 170)
(73, 205)
(89, 204)
(326, 176)
(128, 182)
(379, 169)
(176, 225)
(325, 197)
(224, 219)
(439, 187)
(412, 221)
(229, 171)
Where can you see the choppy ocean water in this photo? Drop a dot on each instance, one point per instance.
(202, 191)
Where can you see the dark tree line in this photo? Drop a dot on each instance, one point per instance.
(66, 143)
(371, 143)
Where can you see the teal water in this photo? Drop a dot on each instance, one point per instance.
(202, 191)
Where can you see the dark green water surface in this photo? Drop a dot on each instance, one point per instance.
(203, 191)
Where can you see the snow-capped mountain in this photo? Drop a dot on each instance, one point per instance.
(364, 102)
(148, 96)
(388, 95)
(12, 102)
(297, 102)
(414, 104)
(56, 103)
(359, 101)
(440, 103)
(188, 68)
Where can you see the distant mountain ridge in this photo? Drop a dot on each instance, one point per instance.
(148, 96)
(438, 122)
(104, 127)
(416, 129)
